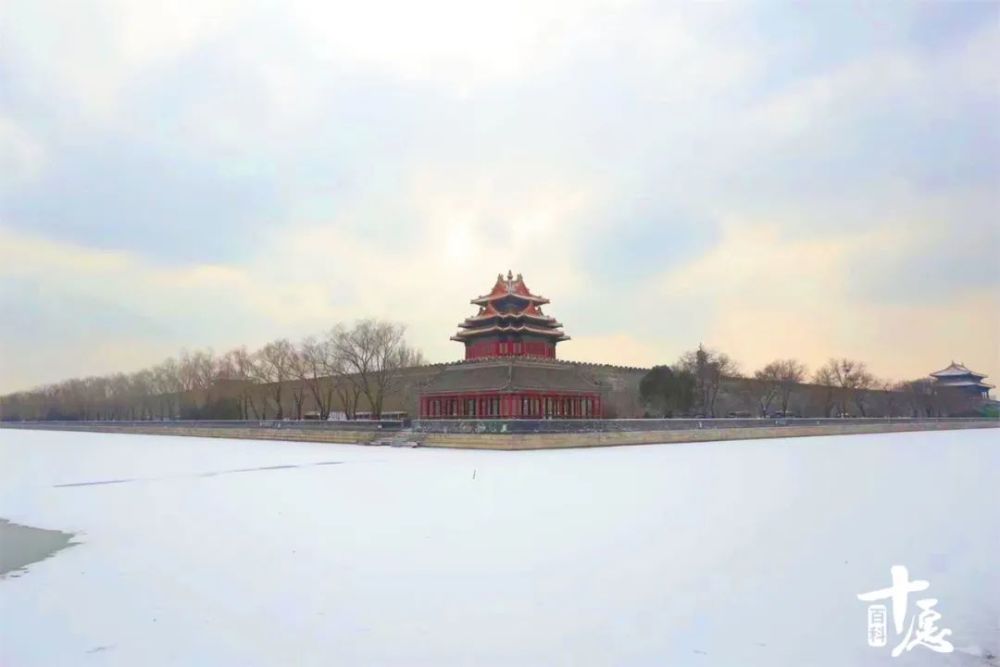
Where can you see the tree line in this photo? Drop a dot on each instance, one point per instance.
(346, 366)
(691, 387)
(356, 366)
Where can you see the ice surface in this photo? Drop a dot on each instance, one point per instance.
(22, 545)
(221, 552)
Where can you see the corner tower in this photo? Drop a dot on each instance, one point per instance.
(510, 370)
(510, 323)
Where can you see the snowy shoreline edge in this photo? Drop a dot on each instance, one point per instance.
(518, 441)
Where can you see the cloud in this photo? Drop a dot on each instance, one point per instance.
(70, 309)
(770, 180)
(129, 197)
(21, 157)
(774, 297)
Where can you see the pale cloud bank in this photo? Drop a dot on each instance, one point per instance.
(773, 181)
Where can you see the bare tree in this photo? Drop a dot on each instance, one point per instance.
(824, 378)
(347, 363)
(78, 397)
(764, 390)
(783, 376)
(313, 363)
(275, 364)
(890, 396)
(250, 373)
(298, 384)
(143, 390)
(341, 381)
(852, 381)
(371, 353)
(237, 369)
(919, 396)
(709, 368)
(168, 385)
(197, 374)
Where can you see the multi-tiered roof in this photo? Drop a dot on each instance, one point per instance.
(960, 377)
(510, 370)
(510, 322)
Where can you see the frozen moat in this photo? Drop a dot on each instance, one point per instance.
(223, 552)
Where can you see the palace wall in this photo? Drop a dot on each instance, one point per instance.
(621, 397)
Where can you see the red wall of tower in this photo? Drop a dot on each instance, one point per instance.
(492, 348)
(516, 405)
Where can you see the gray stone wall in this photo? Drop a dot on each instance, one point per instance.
(621, 397)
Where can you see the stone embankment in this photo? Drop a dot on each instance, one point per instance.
(519, 435)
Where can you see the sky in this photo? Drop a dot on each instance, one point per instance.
(772, 180)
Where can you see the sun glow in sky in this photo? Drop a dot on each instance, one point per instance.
(772, 180)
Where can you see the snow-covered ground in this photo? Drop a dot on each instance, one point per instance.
(220, 552)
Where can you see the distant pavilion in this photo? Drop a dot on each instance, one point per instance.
(959, 378)
(510, 369)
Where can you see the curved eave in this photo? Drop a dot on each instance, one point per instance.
(956, 370)
(483, 300)
(979, 385)
(548, 321)
(462, 336)
(464, 339)
(941, 375)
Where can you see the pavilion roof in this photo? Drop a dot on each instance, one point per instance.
(510, 307)
(511, 328)
(512, 375)
(963, 382)
(509, 286)
(476, 320)
(956, 370)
